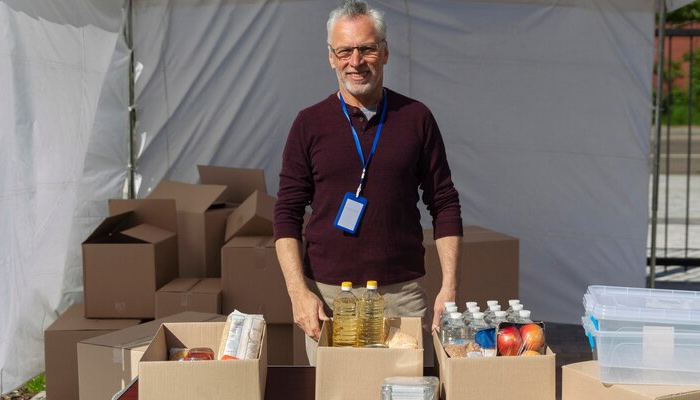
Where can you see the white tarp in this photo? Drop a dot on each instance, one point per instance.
(544, 106)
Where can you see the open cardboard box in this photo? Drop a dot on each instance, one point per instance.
(107, 363)
(522, 378)
(253, 217)
(580, 381)
(189, 294)
(128, 257)
(202, 210)
(358, 373)
(216, 379)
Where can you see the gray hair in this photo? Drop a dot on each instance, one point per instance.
(353, 9)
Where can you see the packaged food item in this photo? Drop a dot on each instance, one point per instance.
(177, 353)
(199, 354)
(399, 340)
(515, 339)
(242, 336)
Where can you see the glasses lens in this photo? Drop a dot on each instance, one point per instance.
(344, 52)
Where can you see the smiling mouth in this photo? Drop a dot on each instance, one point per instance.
(358, 76)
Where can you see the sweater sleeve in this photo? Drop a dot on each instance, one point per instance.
(296, 186)
(439, 193)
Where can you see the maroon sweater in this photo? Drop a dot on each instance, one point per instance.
(320, 164)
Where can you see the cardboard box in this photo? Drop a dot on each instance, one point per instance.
(130, 255)
(580, 382)
(522, 378)
(253, 217)
(358, 373)
(60, 348)
(202, 211)
(107, 363)
(189, 294)
(252, 280)
(488, 269)
(232, 379)
(299, 339)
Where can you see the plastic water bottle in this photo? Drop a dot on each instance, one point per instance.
(469, 314)
(523, 317)
(445, 318)
(514, 314)
(498, 318)
(470, 304)
(482, 334)
(490, 313)
(511, 303)
(455, 331)
(345, 317)
(490, 303)
(370, 314)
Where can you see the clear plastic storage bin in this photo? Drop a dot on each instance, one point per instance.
(410, 388)
(644, 336)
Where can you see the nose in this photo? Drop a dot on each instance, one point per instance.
(356, 58)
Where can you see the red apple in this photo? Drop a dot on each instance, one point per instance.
(533, 336)
(509, 341)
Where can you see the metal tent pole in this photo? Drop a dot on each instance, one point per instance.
(657, 142)
(131, 157)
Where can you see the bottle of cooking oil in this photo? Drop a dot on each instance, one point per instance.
(345, 317)
(370, 312)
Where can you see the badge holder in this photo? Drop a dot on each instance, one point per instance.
(350, 213)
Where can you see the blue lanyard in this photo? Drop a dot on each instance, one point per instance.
(365, 163)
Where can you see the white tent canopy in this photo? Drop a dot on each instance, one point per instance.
(544, 106)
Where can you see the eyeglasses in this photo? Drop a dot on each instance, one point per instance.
(367, 50)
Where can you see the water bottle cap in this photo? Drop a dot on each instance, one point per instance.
(450, 303)
(474, 309)
(456, 315)
(478, 315)
(495, 308)
(513, 302)
(346, 286)
(517, 307)
(500, 313)
(371, 284)
(471, 304)
(451, 309)
(492, 303)
(525, 313)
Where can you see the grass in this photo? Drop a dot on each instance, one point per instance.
(37, 384)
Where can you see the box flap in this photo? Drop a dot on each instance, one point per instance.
(251, 241)
(253, 217)
(148, 233)
(240, 182)
(73, 319)
(189, 197)
(180, 285)
(208, 285)
(141, 335)
(156, 212)
(110, 225)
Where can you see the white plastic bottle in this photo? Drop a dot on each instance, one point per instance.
(523, 317)
(514, 314)
(498, 318)
(489, 314)
(478, 333)
(455, 331)
(345, 317)
(444, 318)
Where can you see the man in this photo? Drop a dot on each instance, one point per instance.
(390, 145)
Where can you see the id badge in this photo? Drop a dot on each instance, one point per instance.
(350, 213)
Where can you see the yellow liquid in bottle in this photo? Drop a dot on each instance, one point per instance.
(370, 328)
(344, 321)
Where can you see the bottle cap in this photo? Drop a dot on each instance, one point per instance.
(451, 309)
(478, 315)
(456, 315)
(450, 303)
(500, 314)
(495, 307)
(513, 302)
(346, 286)
(371, 284)
(474, 309)
(492, 303)
(471, 304)
(525, 313)
(517, 307)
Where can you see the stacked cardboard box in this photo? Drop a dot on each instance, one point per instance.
(163, 379)
(107, 363)
(189, 294)
(581, 381)
(524, 378)
(60, 348)
(130, 255)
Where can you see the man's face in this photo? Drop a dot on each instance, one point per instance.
(359, 76)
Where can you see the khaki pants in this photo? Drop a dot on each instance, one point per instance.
(405, 299)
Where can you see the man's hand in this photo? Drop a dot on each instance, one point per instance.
(445, 294)
(308, 310)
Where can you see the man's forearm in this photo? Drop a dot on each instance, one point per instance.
(449, 252)
(289, 256)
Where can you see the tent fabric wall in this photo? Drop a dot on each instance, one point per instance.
(544, 106)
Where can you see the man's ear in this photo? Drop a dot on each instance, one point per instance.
(386, 53)
(330, 59)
